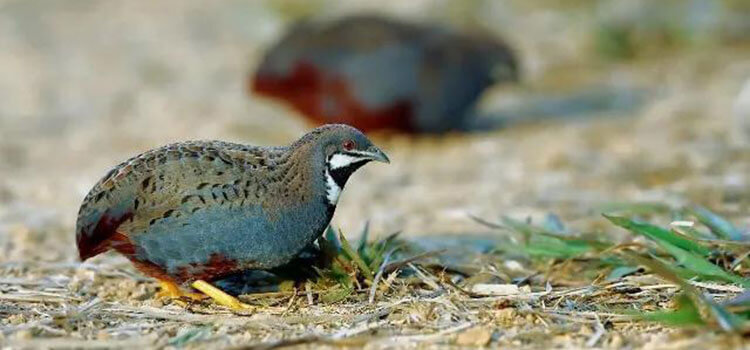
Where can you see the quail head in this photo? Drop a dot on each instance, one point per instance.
(195, 211)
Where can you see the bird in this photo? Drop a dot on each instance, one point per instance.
(376, 73)
(192, 212)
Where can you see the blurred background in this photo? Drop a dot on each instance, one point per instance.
(616, 101)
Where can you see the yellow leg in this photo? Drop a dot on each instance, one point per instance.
(171, 290)
(220, 296)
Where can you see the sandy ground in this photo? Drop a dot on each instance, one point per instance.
(86, 84)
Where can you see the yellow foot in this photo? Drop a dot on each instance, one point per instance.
(170, 290)
(220, 296)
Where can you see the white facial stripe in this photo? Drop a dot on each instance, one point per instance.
(340, 160)
(332, 189)
(362, 153)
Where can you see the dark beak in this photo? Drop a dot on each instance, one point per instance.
(377, 155)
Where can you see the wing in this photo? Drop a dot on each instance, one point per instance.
(170, 181)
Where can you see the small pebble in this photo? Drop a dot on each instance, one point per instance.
(477, 336)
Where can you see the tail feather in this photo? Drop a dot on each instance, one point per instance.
(97, 237)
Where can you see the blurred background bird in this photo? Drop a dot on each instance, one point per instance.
(381, 73)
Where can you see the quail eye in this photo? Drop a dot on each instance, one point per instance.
(348, 145)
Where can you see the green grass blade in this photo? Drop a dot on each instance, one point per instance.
(621, 271)
(687, 314)
(352, 254)
(658, 234)
(332, 238)
(521, 227)
(692, 232)
(335, 273)
(335, 295)
(719, 226)
(328, 247)
(680, 271)
(727, 321)
(701, 266)
(550, 246)
(364, 237)
(381, 247)
(709, 310)
(544, 242)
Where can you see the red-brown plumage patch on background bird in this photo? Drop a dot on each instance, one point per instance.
(306, 89)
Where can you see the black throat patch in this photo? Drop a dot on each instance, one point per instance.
(340, 175)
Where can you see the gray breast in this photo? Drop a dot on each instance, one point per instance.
(248, 236)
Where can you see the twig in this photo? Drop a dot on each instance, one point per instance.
(459, 289)
(346, 333)
(53, 331)
(32, 299)
(430, 337)
(424, 278)
(486, 223)
(739, 260)
(600, 331)
(21, 282)
(718, 287)
(308, 291)
(28, 325)
(189, 317)
(379, 275)
(398, 264)
(70, 343)
(333, 339)
(290, 303)
(278, 344)
(377, 314)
